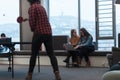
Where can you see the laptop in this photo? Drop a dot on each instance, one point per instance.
(5, 40)
(69, 47)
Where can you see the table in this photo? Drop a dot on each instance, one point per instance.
(11, 46)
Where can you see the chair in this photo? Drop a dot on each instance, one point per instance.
(111, 75)
(114, 58)
(6, 51)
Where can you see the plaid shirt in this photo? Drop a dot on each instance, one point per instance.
(38, 20)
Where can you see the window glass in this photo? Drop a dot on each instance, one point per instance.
(117, 22)
(8, 15)
(63, 16)
(87, 11)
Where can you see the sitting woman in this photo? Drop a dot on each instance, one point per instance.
(74, 39)
(85, 46)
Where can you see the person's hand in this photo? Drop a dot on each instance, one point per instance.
(64, 45)
(26, 19)
(76, 47)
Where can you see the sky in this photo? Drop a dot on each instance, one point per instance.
(63, 7)
(9, 12)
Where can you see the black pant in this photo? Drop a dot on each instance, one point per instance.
(73, 54)
(36, 44)
(84, 52)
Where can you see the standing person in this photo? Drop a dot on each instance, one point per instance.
(42, 33)
(73, 40)
(85, 46)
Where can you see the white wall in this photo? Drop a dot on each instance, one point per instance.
(26, 34)
(96, 61)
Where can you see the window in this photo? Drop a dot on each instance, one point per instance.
(68, 14)
(8, 15)
(105, 28)
(117, 22)
(63, 16)
(87, 11)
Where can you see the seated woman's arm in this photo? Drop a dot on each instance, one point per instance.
(87, 43)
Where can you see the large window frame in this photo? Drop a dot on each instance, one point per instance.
(96, 30)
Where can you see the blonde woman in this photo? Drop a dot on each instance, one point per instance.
(73, 40)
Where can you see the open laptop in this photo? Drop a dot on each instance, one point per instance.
(69, 47)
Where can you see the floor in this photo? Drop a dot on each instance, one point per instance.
(74, 73)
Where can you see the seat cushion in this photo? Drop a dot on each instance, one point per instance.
(115, 67)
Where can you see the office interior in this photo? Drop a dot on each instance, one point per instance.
(100, 17)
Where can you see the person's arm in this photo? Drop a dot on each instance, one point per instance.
(64, 44)
(88, 42)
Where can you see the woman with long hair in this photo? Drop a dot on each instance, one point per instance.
(73, 40)
(85, 46)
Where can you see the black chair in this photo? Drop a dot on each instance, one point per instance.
(6, 51)
(114, 58)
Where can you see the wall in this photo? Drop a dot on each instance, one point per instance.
(25, 32)
(96, 61)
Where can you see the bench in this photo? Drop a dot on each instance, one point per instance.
(62, 53)
(95, 53)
